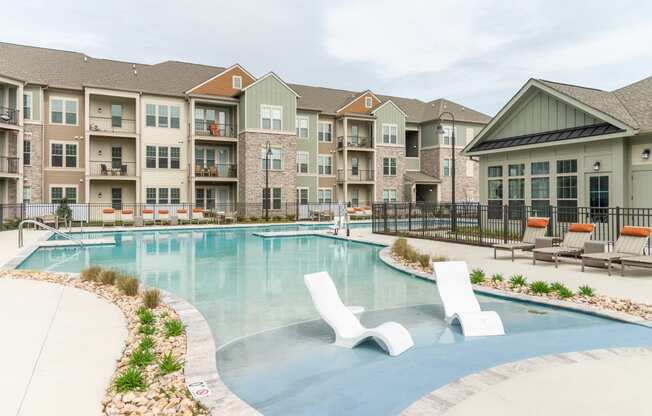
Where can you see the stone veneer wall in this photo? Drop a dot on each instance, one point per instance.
(390, 182)
(33, 174)
(252, 177)
(466, 187)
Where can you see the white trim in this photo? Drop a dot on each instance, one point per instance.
(302, 188)
(331, 164)
(283, 132)
(271, 119)
(307, 119)
(27, 137)
(322, 189)
(319, 122)
(398, 108)
(218, 75)
(233, 79)
(364, 94)
(368, 102)
(390, 166)
(382, 133)
(63, 161)
(63, 186)
(31, 106)
(271, 74)
(443, 167)
(395, 190)
(63, 115)
(303, 152)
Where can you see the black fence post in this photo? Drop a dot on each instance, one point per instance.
(505, 222)
(385, 226)
(617, 223)
(410, 216)
(479, 211)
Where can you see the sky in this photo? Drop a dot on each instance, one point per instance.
(477, 53)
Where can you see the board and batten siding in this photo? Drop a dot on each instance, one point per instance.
(541, 112)
(390, 114)
(269, 91)
(310, 182)
(310, 144)
(464, 133)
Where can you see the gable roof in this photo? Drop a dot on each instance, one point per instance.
(637, 99)
(389, 101)
(276, 77)
(226, 71)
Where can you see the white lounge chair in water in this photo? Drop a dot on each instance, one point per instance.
(349, 332)
(460, 303)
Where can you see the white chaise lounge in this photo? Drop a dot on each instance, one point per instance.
(460, 303)
(349, 332)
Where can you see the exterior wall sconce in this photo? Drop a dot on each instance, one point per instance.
(596, 166)
(645, 154)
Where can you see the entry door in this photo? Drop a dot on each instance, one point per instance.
(116, 198)
(642, 197)
(116, 157)
(223, 162)
(354, 135)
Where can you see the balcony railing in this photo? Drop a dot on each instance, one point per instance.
(112, 124)
(220, 170)
(8, 164)
(8, 115)
(359, 142)
(115, 168)
(213, 129)
(356, 175)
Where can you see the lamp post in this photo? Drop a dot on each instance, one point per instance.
(440, 129)
(267, 193)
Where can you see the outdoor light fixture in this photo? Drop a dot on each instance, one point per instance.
(645, 154)
(596, 166)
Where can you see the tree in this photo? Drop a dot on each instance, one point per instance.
(63, 211)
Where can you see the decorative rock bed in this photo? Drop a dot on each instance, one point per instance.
(163, 394)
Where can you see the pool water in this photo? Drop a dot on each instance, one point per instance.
(277, 355)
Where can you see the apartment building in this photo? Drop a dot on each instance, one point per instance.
(110, 132)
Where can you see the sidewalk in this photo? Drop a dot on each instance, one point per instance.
(60, 348)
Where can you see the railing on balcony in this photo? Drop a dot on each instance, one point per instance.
(359, 142)
(113, 168)
(8, 164)
(212, 129)
(219, 170)
(112, 124)
(8, 115)
(356, 175)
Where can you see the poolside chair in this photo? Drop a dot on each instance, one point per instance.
(148, 216)
(460, 304)
(182, 216)
(127, 217)
(164, 216)
(198, 216)
(231, 216)
(573, 243)
(108, 216)
(536, 228)
(630, 243)
(349, 332)
(337, 224)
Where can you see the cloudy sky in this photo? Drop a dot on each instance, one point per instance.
(475, 52)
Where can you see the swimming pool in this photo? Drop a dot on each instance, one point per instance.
(275, 353)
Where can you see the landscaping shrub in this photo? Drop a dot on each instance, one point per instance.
(556, 286)
(565, 293)
(128, 285)
(477, 276)
(539, 287)
(141, 358)
(169, 364)
(173, 328)
(147, 329)
(400, 247)
(424, 260)
(147, 343)
(130, 380)
(146, 317)
(152, 298)
(277, 218)
(91, 274)
(586, 291)
(253, 219)
(497, 277)
(517, 281)
(108, 277)
(289, 218)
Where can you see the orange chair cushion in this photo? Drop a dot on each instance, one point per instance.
(581, 228)
(163, 211)
(127, 211)
(148, 211)
(358, 209)
(108, 210)
(182, 210)
(197, 210)
(538, 222)
(636, 231)
(350, 210)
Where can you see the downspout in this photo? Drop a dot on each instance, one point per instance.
(43, 115)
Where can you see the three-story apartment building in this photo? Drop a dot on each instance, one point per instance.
(109, 132)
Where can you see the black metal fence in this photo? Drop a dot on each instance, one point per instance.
(490, 224)
(92, 214)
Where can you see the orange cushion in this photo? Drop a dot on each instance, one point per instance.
(148, 211)
(350, 210)
(581, 228)
(358, 209)
(636, 231)
(127, 211)
(182, 210)
(163, 211)
(537, 222)
(197, 210)
(108, 210)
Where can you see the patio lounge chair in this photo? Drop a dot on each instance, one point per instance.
(127, 217)
(337, 224)
(148, 216)
(164, 216)
(231, 216)
(573, 243)
(460, 303)
(198, 216)
(638, 261)
(536, 228)
(182, 216)
(108, 216)
(349, 332)
(630, 243)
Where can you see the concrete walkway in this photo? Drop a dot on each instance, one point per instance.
(636, 285)
(59, 348)
(9, 242)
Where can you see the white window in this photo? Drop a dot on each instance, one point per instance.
(325, 131)
(275, 198)
(302, 127)
(389, 166)
(150, 118)
(446, 167)
(470, 168)
(63, 111)
(447, 136)
(60, 192)
(389, 195)
(275, 159)
(302, 162)
(163, 196)
(324, 196)
(163, 116)
(27, 194)
(237, 82)
(302, 196)
(368, 102)
(174, 116)
(270, 117)
(63, 155)
(355, 198)
(27, 105)
(390, 133)
(150, 196)
(325, 165)
(27, 149)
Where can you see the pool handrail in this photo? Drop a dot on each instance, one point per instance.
(45, 227)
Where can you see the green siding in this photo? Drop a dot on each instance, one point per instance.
(241, 116)
(390, 114)
(429, 135)
(36, 101)
(538, 113)
(412, 163)
(271, 92)
(309, 182)
(310, 144)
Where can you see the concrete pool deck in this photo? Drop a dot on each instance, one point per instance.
(59, 356)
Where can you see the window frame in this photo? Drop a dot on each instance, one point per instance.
(233, 83)
(63, 100)
(321, 134)
(272, 159)
(321, 195)
(389, 166)
(64, 192)
(321, 157)
(446, 168)
(299, 128)
(368, 102)
(27, 149)
(149, 106)
(390, 128)
(300, 165)
(29, 94)
(387, 192)
(64, 153)
(300, 199)
(271, 109)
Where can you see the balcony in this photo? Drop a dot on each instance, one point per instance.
(8, 115)
(216, 171)
(8, 164)
(115, 125)
(355, 142)
(211, 129)
(113, 170)
(355, 175)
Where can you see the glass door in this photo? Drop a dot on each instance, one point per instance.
(354, 135)
(599, 198)
(116, 157)
(223, 162)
